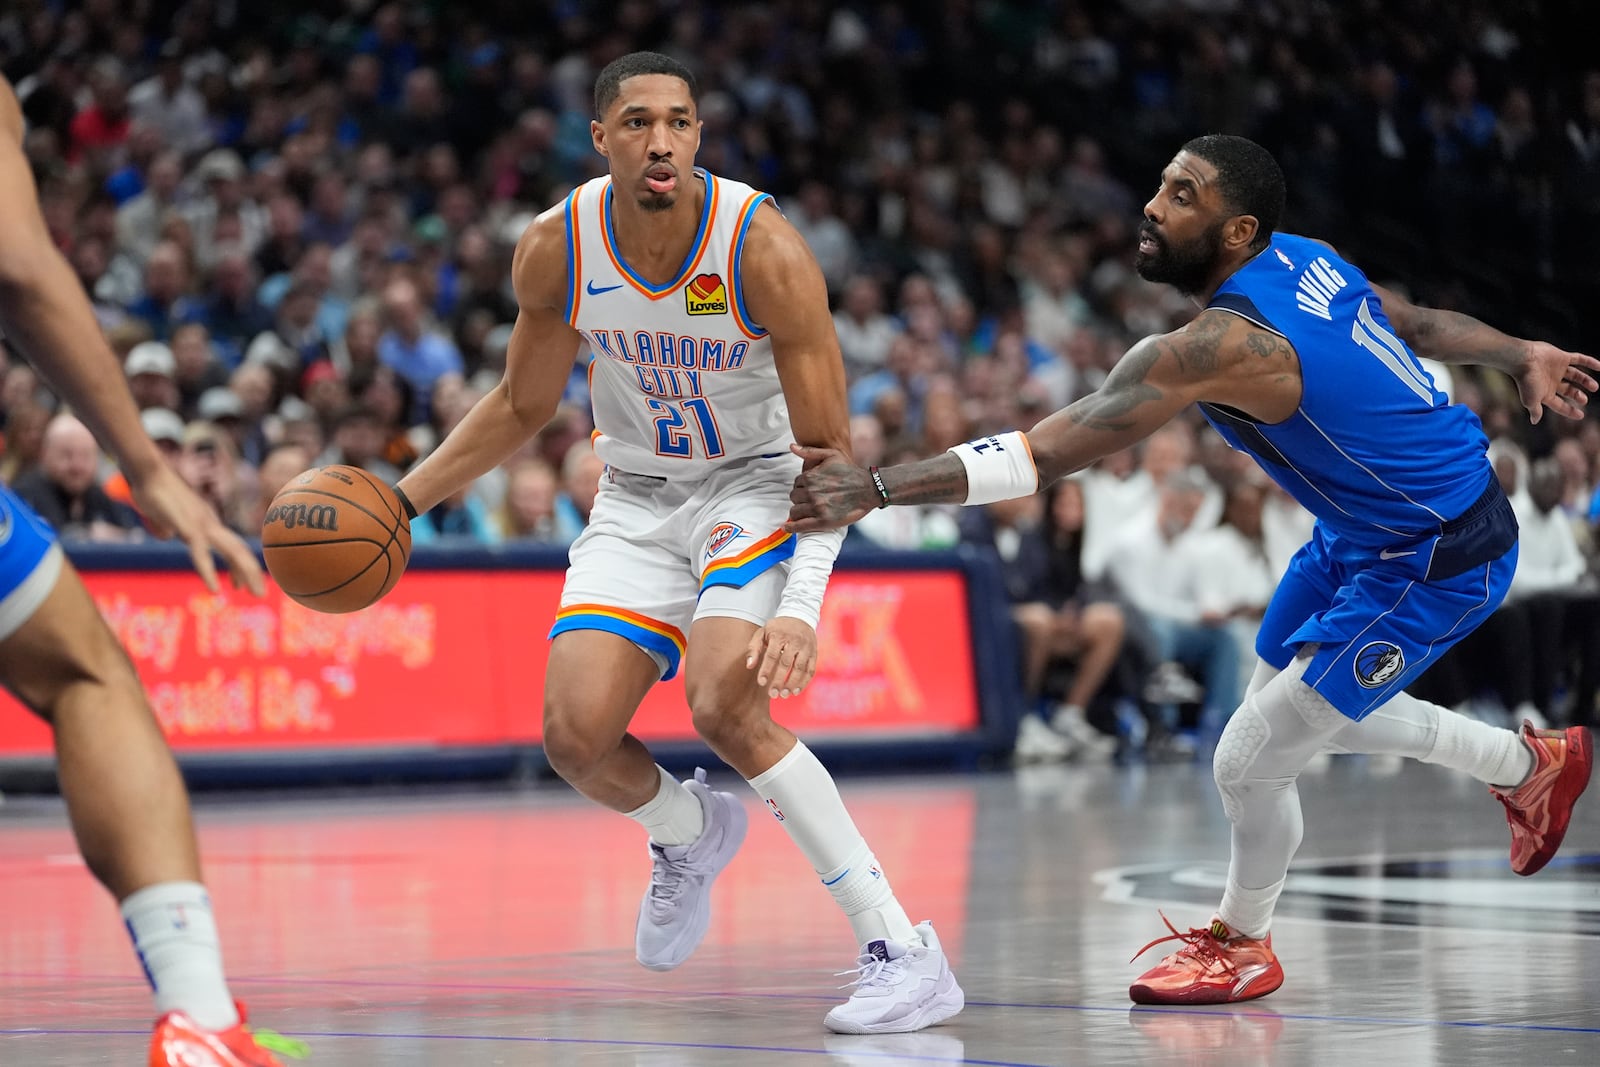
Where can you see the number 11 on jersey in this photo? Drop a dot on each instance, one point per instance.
(673, 438)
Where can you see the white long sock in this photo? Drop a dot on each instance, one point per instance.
(175, 935)
(674, 815)
(1488, 753)
(801, 795)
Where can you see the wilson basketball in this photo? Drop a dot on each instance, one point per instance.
(335, 539)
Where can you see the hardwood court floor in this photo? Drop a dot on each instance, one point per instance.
(484, 927)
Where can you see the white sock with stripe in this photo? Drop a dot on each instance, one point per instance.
(801, 794)
(674, 815)
(175, 935)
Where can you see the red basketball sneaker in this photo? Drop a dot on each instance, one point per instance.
(1539, 809)
(178, 1042)
(1213, 967)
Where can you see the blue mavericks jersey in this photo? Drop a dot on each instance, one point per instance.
(1374, 451)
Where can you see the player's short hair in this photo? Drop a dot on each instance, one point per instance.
(1250, 179)
(608, 86)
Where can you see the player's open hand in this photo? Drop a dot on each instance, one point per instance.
(783, 653)
(172, 509)
(1557, 380)
(830, 491)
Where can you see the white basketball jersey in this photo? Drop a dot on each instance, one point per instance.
(681, 380)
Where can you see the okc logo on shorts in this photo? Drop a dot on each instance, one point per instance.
(776, 811)
(706, 295)
(721, 534)
(1378, 663)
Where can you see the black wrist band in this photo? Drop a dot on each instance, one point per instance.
(877, 480)
(405, 502)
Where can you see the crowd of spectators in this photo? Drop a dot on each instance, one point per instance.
(296, 229)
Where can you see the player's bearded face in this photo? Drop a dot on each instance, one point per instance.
(1185, 265)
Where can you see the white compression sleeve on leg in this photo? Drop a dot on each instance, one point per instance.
(809, 570)
(998, 468)
(802, 796)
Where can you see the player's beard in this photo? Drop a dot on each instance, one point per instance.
(1185, 267)
(657, 202)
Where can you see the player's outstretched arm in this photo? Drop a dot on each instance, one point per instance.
(1547, 376)
(539, 359)
(46, 316)
(1156, 379)
(784, 290)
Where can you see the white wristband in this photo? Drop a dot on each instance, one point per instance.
(998, 468)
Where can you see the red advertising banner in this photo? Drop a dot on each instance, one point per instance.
(457, 657)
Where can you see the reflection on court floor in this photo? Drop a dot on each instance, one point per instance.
(495, 927)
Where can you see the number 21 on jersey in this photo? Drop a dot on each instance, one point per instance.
(673, 434)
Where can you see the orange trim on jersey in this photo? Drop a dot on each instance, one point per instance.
(1027, 446)
(707, 224)
(574, 259)
(766, 544)
(644, 622)
(747, 212)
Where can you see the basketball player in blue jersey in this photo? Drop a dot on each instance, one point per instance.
(713, 350)
(1300, 361)
(124, 794)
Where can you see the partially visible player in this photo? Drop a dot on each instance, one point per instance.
(124, 794)
(1297, 359)
(714, 350)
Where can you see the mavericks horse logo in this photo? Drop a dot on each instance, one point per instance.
(1378, 663)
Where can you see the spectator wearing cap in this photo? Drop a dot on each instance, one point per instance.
(419, 353)
(225, 409)
(325, 390)
(152, 372)
(358, 440)
(165, 428)
(171, 105)
(221, 193)
(166, 301)
(196, 363)
(65, 489)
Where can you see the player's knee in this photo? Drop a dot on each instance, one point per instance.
(1243, 739)
(724, 713)
(572, 742)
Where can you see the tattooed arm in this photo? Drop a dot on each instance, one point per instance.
(1217, 357)
(1546, 376)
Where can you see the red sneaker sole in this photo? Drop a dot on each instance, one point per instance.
(1269, 982)
(1568, 788)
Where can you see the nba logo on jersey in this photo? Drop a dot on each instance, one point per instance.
(721, 534)
(776, 811)
(706, 295)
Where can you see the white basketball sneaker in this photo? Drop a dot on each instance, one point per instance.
(677, 907)
(899, 988)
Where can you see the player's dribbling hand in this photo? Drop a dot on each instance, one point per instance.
(783, 653)
(1554, 379)
(172, 509)
(830, 491)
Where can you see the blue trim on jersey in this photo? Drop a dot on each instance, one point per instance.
(646, 639)
(738, 253)
(694, 246)
(1245, 308)
(573, 281)
(742, 575)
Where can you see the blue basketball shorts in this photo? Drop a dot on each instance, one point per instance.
(1381, 617)
(30, 562)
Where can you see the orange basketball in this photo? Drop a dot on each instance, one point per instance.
(336, 539)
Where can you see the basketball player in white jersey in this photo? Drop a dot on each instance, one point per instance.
(123, 792)
(713, 349)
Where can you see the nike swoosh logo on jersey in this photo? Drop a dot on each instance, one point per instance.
(606, 289)
(1386, 554)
